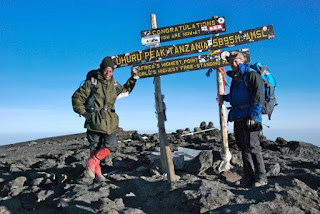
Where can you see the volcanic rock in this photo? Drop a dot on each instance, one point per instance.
(200, 163)
(203, 125)
(34, 179)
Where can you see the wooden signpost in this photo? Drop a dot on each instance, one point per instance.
(165, 152)
(224, 153)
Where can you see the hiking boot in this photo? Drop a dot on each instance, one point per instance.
(98, 174)
(260, 183)
(88, 173)
(100, 179)
(244, 183)
(91, 167)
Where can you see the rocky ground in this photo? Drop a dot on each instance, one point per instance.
(46, 176)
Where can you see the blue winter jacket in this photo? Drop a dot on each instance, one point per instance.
(246, 95)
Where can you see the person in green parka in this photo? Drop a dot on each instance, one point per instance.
(95, 101)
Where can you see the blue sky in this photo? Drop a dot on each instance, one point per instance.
(47, 47)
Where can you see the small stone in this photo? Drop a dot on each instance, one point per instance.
(155, 138)
(210, 125)
(281, 141)
(131, 194)
(136, 136)
(132, 211)
(33, 143)
(18, 182)
(231, 137)
(203, 125)
(196, 129)
(37, 181)
(144, 138)
(111, 206)
(17, 167)
(16, 191)
(179, 131)
(43, 194)
(274, 170)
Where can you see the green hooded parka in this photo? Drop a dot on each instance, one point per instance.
(105, 98)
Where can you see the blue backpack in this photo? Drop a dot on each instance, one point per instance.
(269, 88)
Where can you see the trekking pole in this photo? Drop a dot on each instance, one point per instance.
(224, 153)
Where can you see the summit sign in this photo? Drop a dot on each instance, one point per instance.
(186, 64)
(187, 30)
(197, 46)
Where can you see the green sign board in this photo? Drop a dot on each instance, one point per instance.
(201, 45)
(187, 30)
(185, 64)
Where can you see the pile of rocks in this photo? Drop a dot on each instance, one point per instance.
(46, 176)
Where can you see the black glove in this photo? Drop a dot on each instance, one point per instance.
(233, 74)
(255, 127)
(87, 115)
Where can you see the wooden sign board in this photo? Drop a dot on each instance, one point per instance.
(187, 30)
(186, 64)
(201, 45)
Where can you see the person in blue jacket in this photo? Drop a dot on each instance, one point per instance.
(246, 98)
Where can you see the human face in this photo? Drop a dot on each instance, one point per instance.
(235, 64)
(107, 73)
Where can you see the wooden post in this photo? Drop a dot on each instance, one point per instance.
(222, 111)
(166, 158)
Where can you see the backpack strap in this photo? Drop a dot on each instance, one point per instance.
(89, 105)
(94, 83)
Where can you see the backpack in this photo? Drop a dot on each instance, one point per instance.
(269, 88)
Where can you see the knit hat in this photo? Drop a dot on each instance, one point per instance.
(107, 61)
(235, 55)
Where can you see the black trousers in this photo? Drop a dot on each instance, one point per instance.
(98, 140)
(248, 141)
